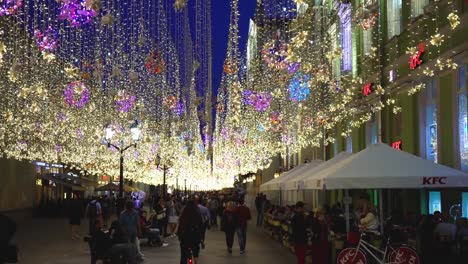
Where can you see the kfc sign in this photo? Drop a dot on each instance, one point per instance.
(367, 89)
(351, 256)
(415, 60)
(397, 145)
(434, 180)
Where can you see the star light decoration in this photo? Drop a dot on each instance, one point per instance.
(124, 102)
(155, 62)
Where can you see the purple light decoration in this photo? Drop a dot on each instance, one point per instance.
(225, 133)
(154, 148)
(10, 7)
(79, 134)
(294, 67)
(58, 148)
(299, 88)
(125, 103)
(260, 101)
(61, 117)
(76, 94)
(76, 12)
(345, 19)
(47, 40)
(179, 109)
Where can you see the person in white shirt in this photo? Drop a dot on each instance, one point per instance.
(446, 231)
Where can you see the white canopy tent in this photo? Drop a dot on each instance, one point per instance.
(297, 182)
(381, 167)
(277, 183)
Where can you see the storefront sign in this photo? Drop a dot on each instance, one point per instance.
(351, 256)
(434, 180)
(397, 144)
(367, 89)
(415, 60)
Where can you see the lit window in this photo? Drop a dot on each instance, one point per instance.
(366, 41)
(393, 17)
(434, 202)
(465, 204)
(349, 144)
(462, 118)
(429, 133)
(371, 131)
(345, 30)
(417, 7)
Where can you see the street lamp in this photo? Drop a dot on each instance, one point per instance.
(165, 167)
(136, 136)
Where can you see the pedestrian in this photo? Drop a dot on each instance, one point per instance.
(75, 213)
(8, 250)
(205, 213)
(161, 217)
(93, 212)
(298, 236)
(258, 206)
(320, 248)
(189, 233)
(229, 223)
(213, 206)
(243, 215)
(105, 204)
(172, 216)
(130, 225)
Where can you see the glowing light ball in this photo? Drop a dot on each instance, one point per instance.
(77, 12)
(47, 40)
(10, 7)
(124, 102)
(259, 100)
(155, 62)
(299, 87)
(76, 94)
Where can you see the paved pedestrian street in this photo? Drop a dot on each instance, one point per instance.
(46, 241)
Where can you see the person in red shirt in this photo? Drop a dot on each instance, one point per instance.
(243, 215)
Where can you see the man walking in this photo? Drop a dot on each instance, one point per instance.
(205, 213)
(130, 224)
(93, 212)
(299, 237)
(243, 216)
(258, 206)
(213, 206)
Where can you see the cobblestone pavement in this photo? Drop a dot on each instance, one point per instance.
(47, 241)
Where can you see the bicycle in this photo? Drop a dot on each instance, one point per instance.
(399, 254)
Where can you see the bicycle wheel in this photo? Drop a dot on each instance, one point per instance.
(404, 255)
(351, 256)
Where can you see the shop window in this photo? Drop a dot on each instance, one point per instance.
(434, 202)
(429, 133)
(371, 131)
(393, 17)
(366, 41)
(349, 144)
(462, 119)
(417, 7)
(345, 32)
(465, 204)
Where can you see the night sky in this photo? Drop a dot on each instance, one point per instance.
(220, 30)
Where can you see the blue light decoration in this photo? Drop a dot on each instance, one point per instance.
(299, 87)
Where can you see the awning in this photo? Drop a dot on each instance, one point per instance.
(299, 182)
(381, 167)
(278, 183)
(108, 187)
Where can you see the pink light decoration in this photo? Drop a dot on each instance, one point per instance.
(10, 7)
(77, 12)
(259, 100)
(367, 89)
(415, 60)
(47, 40)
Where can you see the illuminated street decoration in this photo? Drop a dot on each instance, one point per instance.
(415, 60)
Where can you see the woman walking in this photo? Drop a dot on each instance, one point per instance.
(190, 224)
(75, 215)
(229, 223)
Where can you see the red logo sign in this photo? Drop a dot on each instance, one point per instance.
(415, 60)
(397, 144)
(367, 89)
(434, 180)
(404, 255)
(351, 256)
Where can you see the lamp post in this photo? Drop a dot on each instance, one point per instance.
(185, 183)
(164, 168)
(136, 135)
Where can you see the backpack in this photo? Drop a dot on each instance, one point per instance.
(92, 209)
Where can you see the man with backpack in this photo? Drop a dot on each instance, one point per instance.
(93, 212)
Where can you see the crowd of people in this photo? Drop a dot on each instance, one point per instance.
(310, 234)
